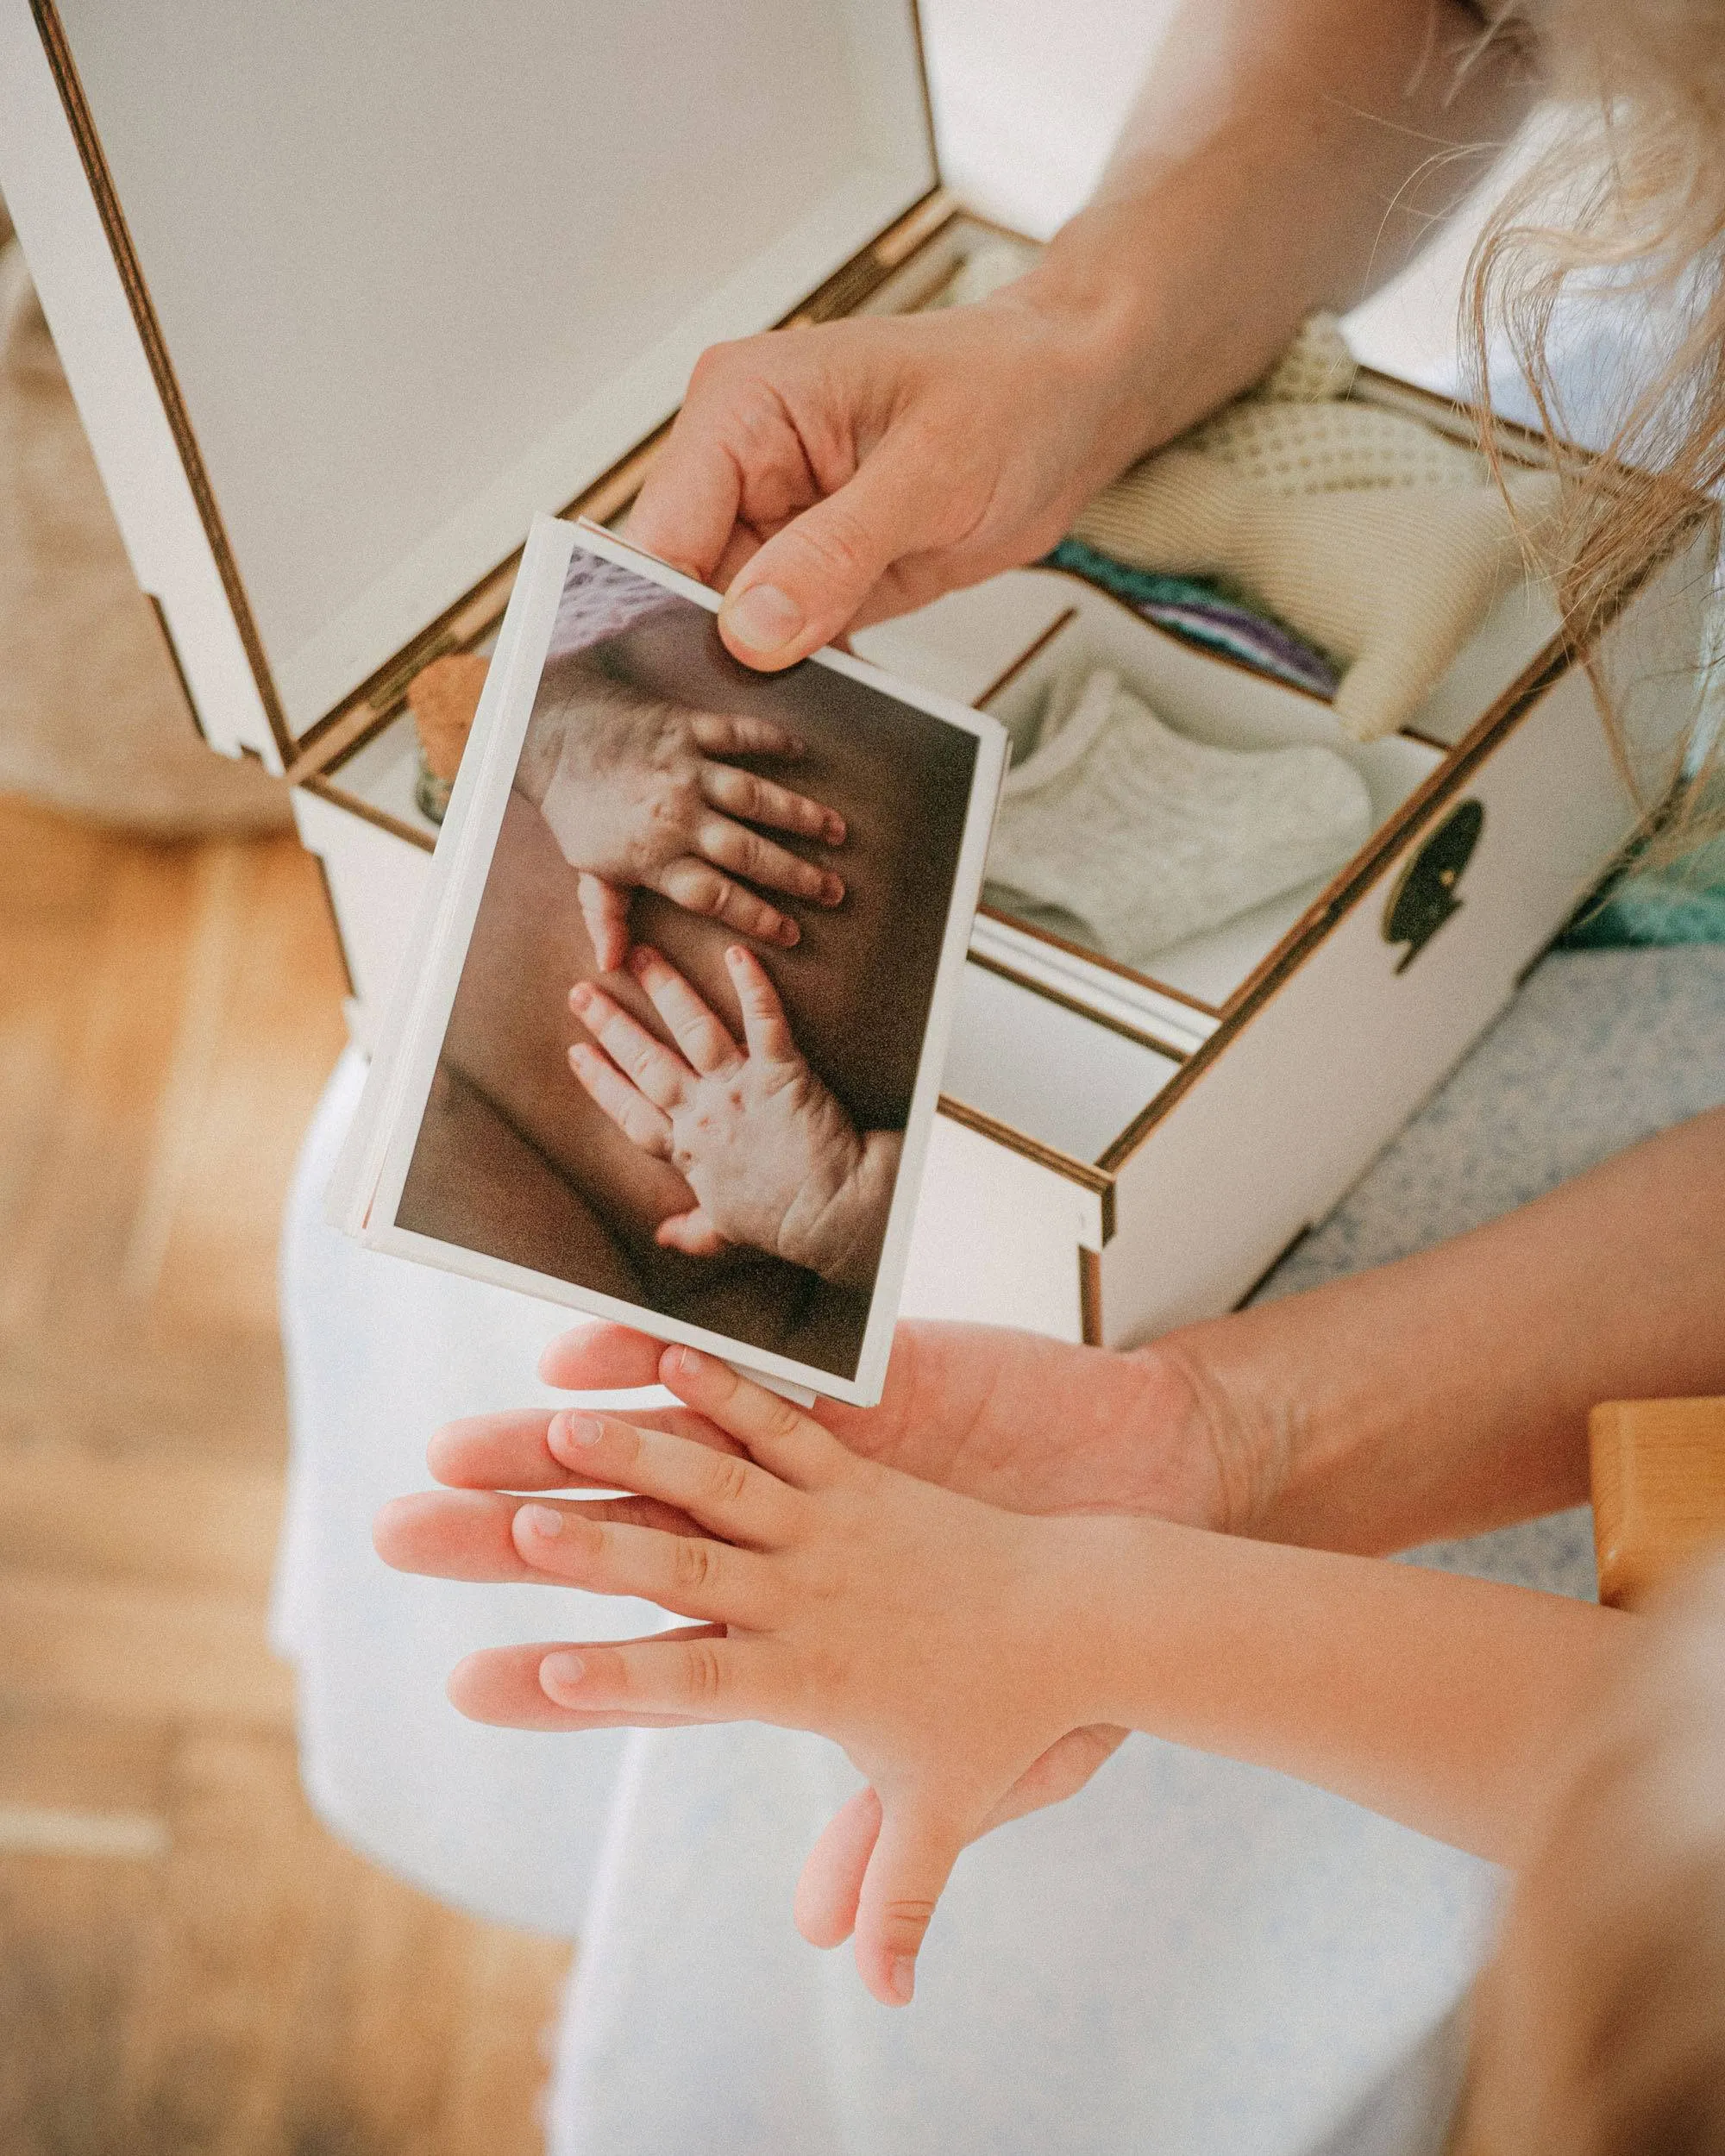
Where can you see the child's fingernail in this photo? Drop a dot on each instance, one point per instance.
(835, 831)
(832, 890)
(787, 933)
(541, 1519)
(901, 1979)
(682, 1362)
(560, 1672)
(580, 1429)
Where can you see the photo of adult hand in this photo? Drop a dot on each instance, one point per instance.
(637, 794)
(770, 1151)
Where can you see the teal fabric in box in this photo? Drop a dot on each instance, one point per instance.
(1683, 904)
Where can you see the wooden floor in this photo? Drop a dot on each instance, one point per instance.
(188, 1962)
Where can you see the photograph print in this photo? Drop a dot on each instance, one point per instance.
(688, 1024)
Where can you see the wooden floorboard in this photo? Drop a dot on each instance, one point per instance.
(190, 1965)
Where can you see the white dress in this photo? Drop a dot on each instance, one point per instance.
(1191, 1956)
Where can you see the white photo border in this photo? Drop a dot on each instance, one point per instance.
(451, 905)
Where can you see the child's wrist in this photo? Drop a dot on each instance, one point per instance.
(1098, 1565)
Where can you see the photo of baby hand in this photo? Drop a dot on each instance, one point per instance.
(770, 1151)
(637, 796)
(697, 991)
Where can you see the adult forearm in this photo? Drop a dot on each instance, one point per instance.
(1281, 157)
(1448, 1393)
(1444, 1703)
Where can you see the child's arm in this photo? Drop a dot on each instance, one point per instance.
(949, 1645)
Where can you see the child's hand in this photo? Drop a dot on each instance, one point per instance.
(1015, 1418)
(634, 796)
(768, 1151)
(936, 1639)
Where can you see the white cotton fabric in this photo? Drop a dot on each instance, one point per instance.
(1288, 448)
(982, 273)
(1394, 578)
(1142, 837)
(1376, 537)
(1191, 1956)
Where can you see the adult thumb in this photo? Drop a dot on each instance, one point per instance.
(804, 587)
(913, 1861)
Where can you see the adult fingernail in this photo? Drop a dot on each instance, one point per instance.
(578, 1429)
(541, 1519)
(832, 890)
(560, 1672)
(763, 618)
(787, 933)
(901, 1979)
(682, 1362)
(835, 831)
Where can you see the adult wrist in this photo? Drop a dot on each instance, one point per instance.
(1296, 1422)
(1195, 1399)
(1100, 330)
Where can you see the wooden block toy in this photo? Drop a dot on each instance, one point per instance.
(1659, 1490)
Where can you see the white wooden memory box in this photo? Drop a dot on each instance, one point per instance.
(345, 294)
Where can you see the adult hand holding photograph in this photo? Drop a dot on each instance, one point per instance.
(723, 1150)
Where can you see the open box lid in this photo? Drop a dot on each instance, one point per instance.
(345, 294)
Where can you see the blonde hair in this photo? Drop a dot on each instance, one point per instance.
(1628, 193)
(1599, 2029)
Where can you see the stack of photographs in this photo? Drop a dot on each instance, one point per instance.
(668, 1046)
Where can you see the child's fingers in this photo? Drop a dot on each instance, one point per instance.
(742, 734)
(691, 1232)
(640, 1122)
(774, 868)
(695, 1028)
(505, 1450)
(470, 1534)
(832, 1881)
(659, 1071)
(913, 1859)
(604, 910)
(512, 1450)
(729, 1494)
(700, 1679)
(698, 887)
(781, 1437)
(501, 1685)
(689, 1574)
(758, 801)
(765, 1028)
